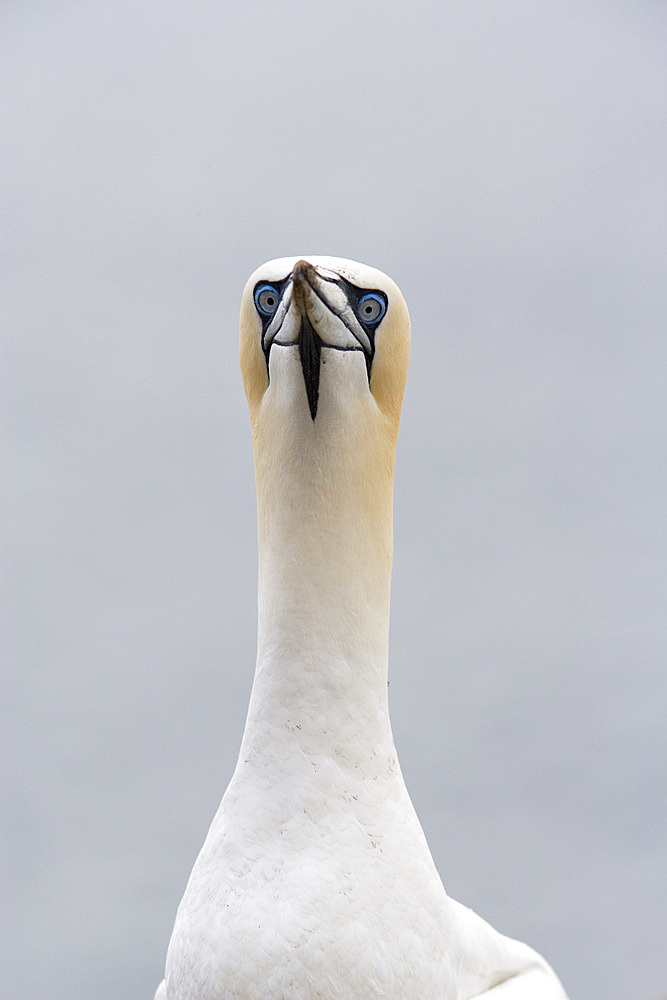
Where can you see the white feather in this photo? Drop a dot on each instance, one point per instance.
(315, 879)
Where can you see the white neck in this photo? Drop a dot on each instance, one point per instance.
(324, 494)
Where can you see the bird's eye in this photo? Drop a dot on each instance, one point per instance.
(372, 307)
(267, 298)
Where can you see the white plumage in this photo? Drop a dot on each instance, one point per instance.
(315, 879)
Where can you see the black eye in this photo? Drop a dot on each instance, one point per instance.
(267, 298)
(372, 307)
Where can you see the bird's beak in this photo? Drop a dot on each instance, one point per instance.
(310, 345)
(315, 312)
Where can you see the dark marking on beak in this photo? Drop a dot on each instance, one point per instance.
(310, 348)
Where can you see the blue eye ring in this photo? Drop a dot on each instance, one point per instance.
(267, 299)
(371, 308)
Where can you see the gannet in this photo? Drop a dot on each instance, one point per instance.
(315, 881)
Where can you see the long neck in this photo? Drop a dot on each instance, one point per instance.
(324, 498)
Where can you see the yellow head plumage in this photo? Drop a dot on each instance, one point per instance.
(324, 294)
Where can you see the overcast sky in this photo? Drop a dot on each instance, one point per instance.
(505, 163)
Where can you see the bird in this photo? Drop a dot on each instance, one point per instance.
(315, 880)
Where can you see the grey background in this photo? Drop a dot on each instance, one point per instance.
(505, 164)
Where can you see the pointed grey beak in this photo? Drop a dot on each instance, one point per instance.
(310, 345)
(333, 304)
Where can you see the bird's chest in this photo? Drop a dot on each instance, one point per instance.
(335, 901)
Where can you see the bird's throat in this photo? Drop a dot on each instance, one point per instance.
(310, 349)
(325, 552)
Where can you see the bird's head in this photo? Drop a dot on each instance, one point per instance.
(323, 341)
